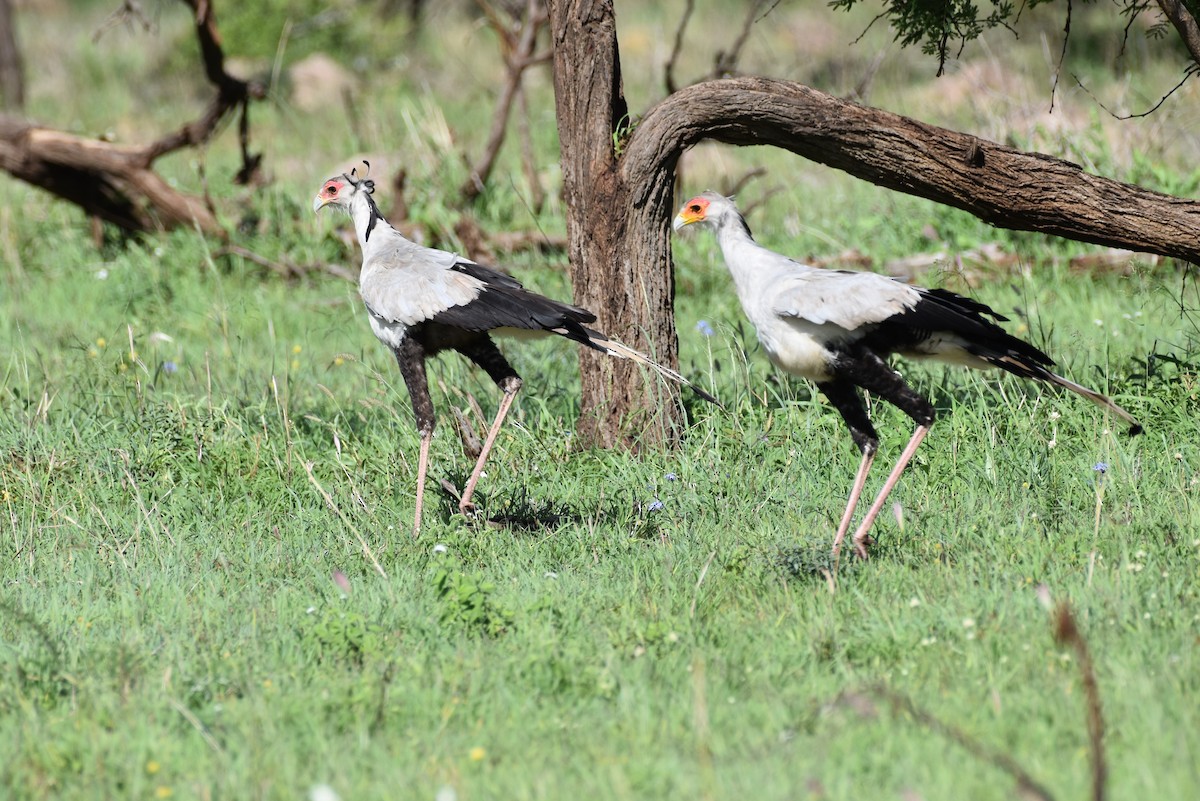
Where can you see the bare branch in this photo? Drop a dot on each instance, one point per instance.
(726, 61)
(129, 13)
(518, 58)
(1066, 632)
(1192, 69)
(903, 705)
(677, 47)
(231, 93)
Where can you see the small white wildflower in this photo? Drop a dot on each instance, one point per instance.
(310, 610)
(446, 793)
(1052, 443)
(1146, 616)
(101, 274)
(1098, 322)
(1140, 555)
(158, 337)
(1055, 415)
(1064, 657)
(1179, 457)
(550, 574)
(1134, 567)
(440, 548)
(914, 602)
(968, 622)
(158, 253)
(928, 641)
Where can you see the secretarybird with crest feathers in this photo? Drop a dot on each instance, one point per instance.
(837, 328)
(421, 301)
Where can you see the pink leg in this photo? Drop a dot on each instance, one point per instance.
(860, 536)
(860, 481)
(464, 504)
(422, 469)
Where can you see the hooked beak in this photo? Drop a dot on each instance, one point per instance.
(318, 203)
(684, 219)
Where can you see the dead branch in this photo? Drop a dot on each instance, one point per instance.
(862, 704)
(528, 160)
(12, 65)
(116, 183)
(518, 56)
(1066, 632)
(677, 48)
(725, 62)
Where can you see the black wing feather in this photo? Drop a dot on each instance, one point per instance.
(504, 303)
(943, 312)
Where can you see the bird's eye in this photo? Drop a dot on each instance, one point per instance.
(332, 189)
(694, 208)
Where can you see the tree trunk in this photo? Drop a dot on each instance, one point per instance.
(12, 71)
(620, 259)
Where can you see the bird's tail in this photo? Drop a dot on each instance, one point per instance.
(1028, 369)
(614, 348)
(1095, 397)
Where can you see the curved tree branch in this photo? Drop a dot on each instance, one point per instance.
(1005, 187)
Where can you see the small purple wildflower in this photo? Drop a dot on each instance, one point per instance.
(655, 506)
(671, 477)
(1100, 467)
(705, 328)
(170, 368)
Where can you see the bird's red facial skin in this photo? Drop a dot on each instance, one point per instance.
(331, 190)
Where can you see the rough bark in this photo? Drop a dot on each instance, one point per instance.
(620, 258)
(117, 183)
(12, 71)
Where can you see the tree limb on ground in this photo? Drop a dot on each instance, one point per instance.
(117, 183)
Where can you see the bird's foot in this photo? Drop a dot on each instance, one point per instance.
(861, 544)
(466, 509)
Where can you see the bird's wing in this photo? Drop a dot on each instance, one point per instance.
(409, 284)
(849, 300)
(413, 284)
(502, 302)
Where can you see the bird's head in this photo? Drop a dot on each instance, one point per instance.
(340, 190)
(707, 209)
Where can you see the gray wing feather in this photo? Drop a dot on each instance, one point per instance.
(848, 300)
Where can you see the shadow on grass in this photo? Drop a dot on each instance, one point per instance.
(520, 512)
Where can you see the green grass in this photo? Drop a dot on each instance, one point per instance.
(181, 515)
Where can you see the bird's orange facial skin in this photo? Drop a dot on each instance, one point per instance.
(694, 210)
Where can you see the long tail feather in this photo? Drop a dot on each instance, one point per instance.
(614, 348)
(1027, 368)
(1095, 397)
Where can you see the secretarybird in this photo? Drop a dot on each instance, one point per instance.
(837, 328)
(421, 301)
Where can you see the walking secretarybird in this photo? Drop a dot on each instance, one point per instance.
(837, 328)
(422, 301)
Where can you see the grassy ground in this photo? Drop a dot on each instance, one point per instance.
(206, 473)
